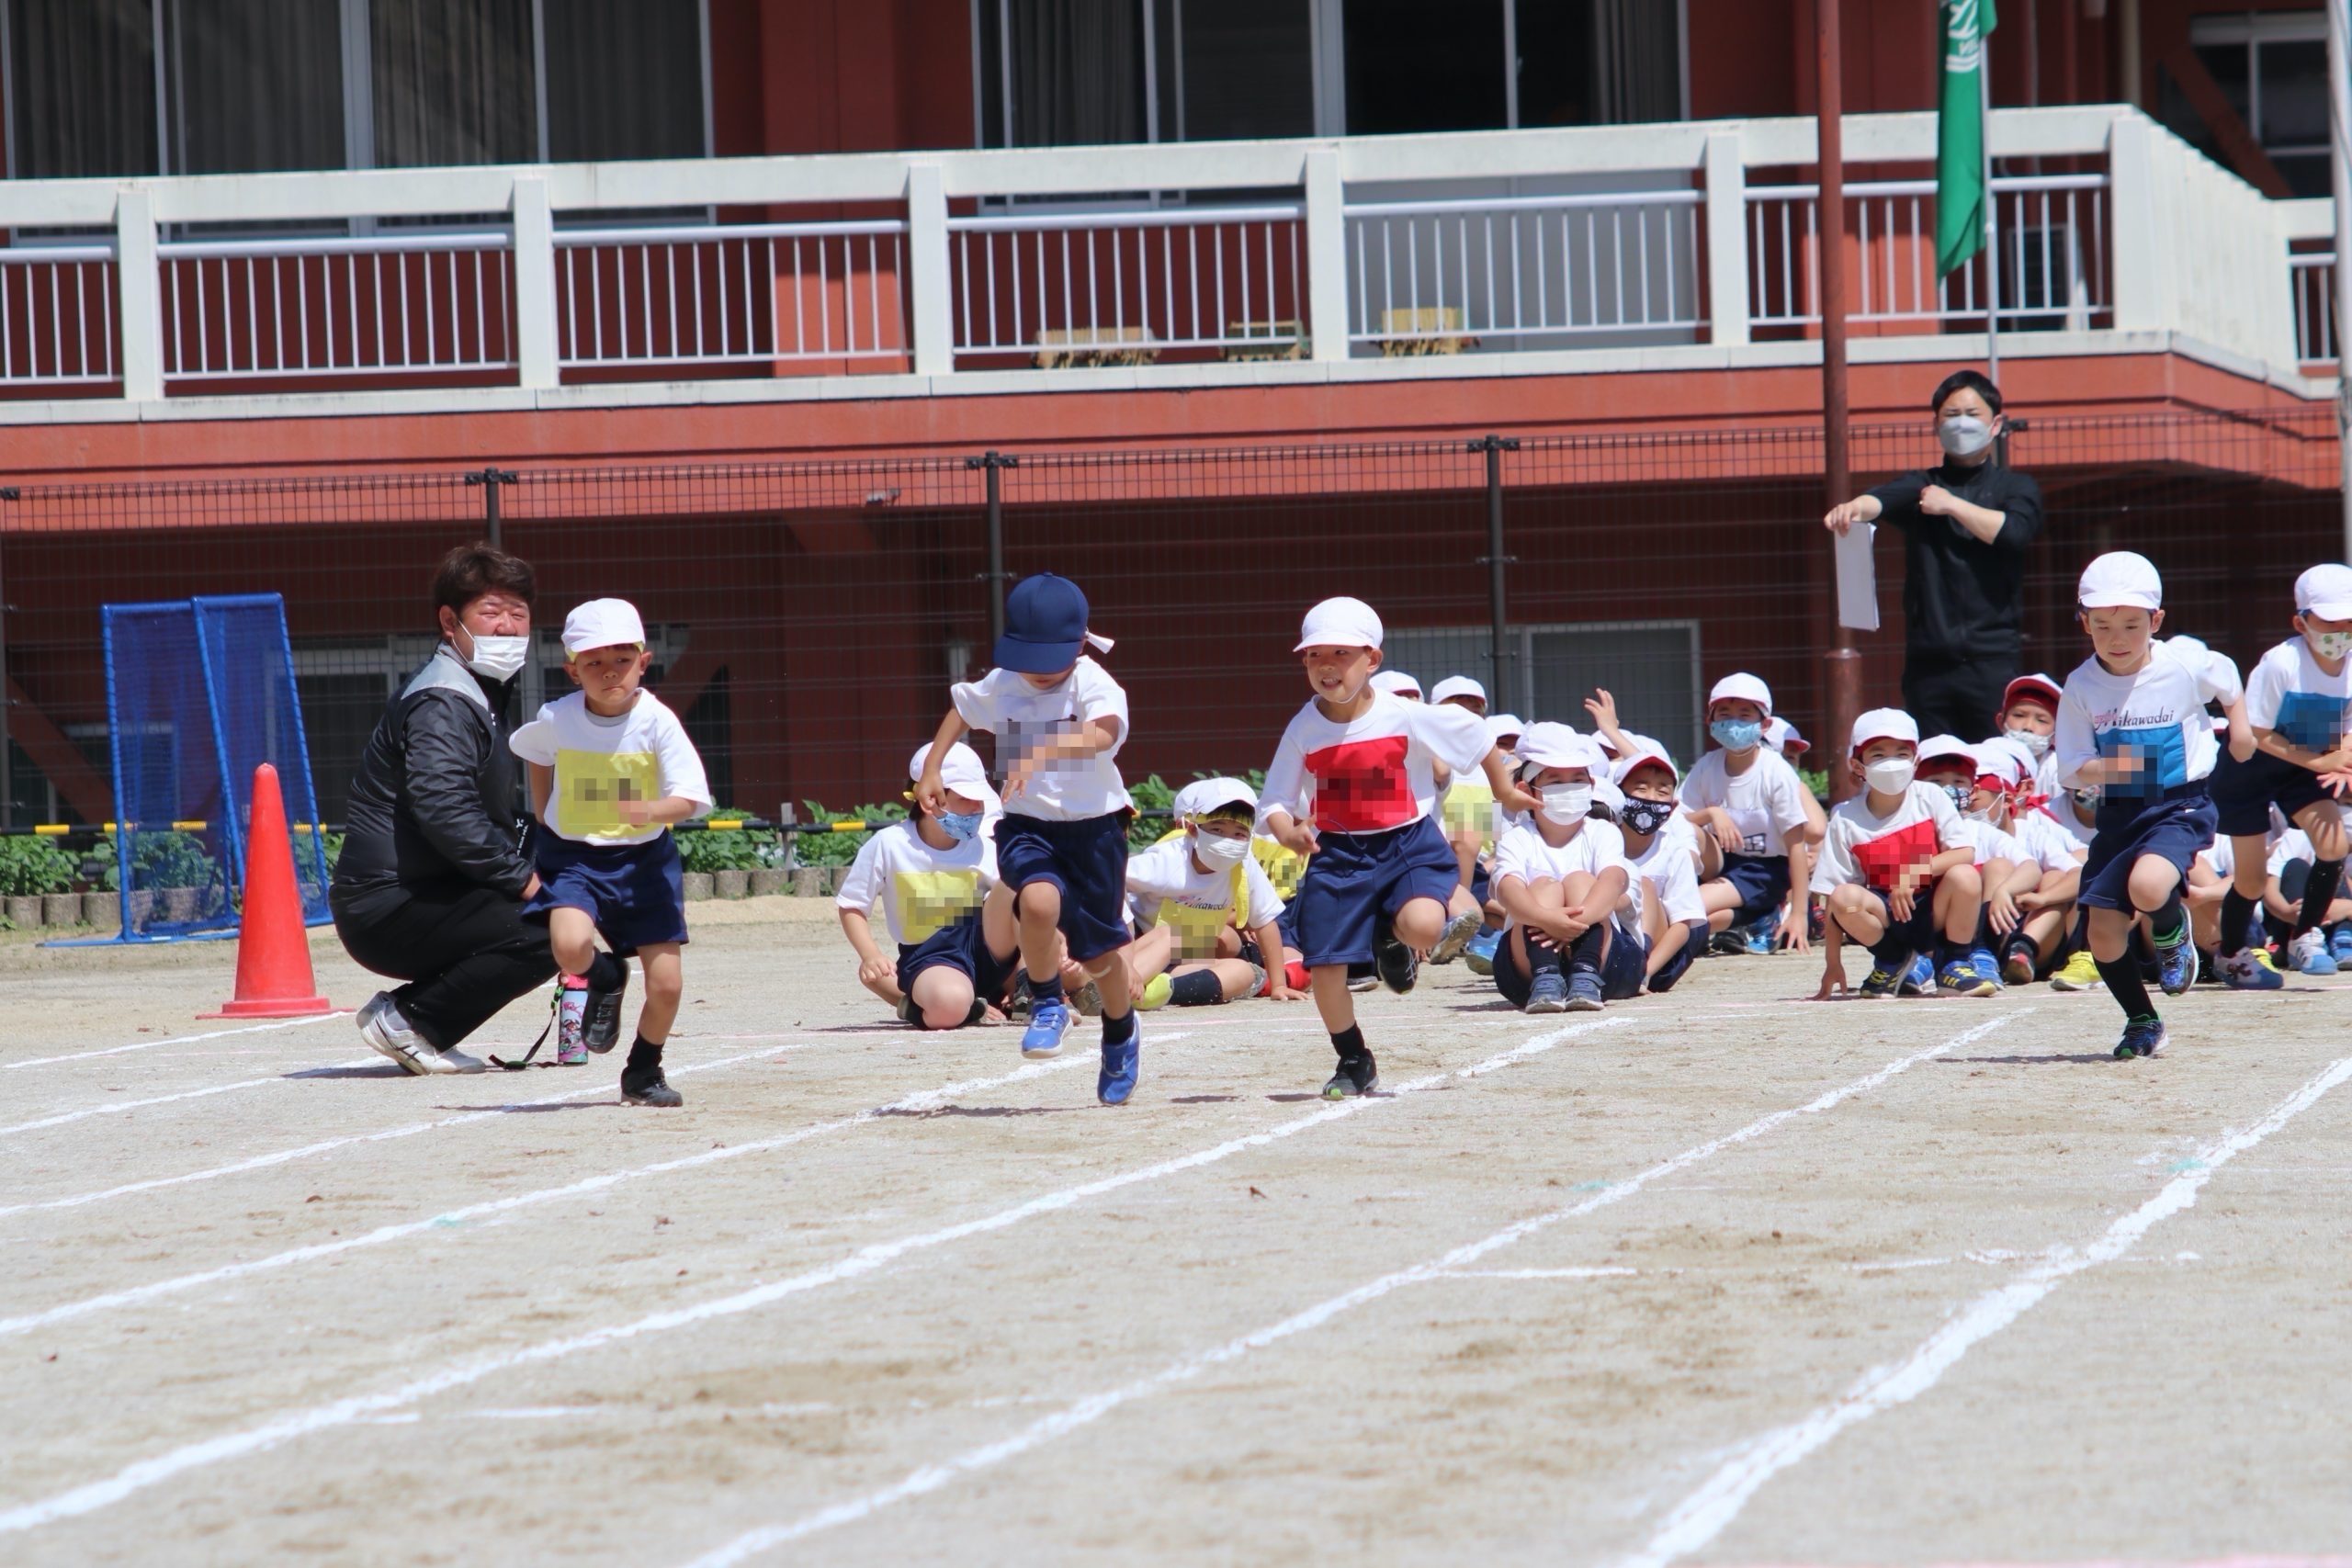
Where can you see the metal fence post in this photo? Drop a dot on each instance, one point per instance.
(8, 745)
(1494, 447)
(994, 464)
(491, 481)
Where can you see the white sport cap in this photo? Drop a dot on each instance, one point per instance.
(1501, 724)
(1203, 795)
(1741, 688)
(960, 771)
(1395, 683)
(1339, 623)
(1557, 746)
(602, 623)
(1457, 686)
(1936, 746)
(2120, 580)
(1884, 724)
(2004, 760)
(2326, 591)
(1780, 735)
(1645, 753)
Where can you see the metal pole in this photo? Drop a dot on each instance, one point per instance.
(1497, 609)
(994, 464)
(1992, 242)
(8, 746)
(1842, 667)
(490, 479)
(2339, 139)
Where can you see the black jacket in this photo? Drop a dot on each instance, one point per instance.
(1963, 599)
(437, 801)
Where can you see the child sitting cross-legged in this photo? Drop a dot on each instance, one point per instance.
(1208, 914)
(1897, 863)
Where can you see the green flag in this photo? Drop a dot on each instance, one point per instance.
(1960, 134)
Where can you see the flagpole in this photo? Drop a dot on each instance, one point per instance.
(1991, 244)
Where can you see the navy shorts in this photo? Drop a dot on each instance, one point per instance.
(1085, 860)
(2174, 828)
(1674, 968)
(2244, 793)
(1761, 882)
(1352, 879)
(1915, 936)
(634, 891)
(962, 948)
(1622, 969)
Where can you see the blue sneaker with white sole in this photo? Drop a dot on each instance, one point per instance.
(1480, 954)
(2176, 968)
(2312, 955)
(2250, 969)
(1919, 980)
(1048, 1022)
(1121, 1060)
(1988, 968)
(1962, 980)
(2340, 944)
(1761, 936)
(1584, 992)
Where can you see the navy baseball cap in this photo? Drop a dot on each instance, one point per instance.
(1045, 625)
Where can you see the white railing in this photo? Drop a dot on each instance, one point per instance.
(1599, 240)
(396, 305)
(2316, 328)
(711, 294)
(2050, 230)
(1439, 275)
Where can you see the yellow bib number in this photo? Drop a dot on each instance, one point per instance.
(931, 901)
(591, 785)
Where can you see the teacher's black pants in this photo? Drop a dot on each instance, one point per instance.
(1959, 698)
(465, 951)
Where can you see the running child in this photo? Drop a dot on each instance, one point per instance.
(611, 770)
(1897, 866)
(932, 876)
(2131, 723)
(1750, 804)
(1563, 878)
(1205, 910)
(1352, 787)
(1061, 845)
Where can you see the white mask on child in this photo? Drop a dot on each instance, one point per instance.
(1216, 849)
(1568, 803)
(1891, 775)
(2033, 740)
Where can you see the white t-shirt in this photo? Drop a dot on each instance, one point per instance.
(2080, 829)
(1021, 718)
(921, 889)
(2051, 847)
(643, 754)
(1164, 888)
(1522, 853)
(1864, 847)
(2157, 715)
(1666, 865)
(1991, 843)
(1371, 774)
(2290, 693)
(1765, 802)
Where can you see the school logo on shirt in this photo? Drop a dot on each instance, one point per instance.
(931, 901)
(1884, 858)
(2154, 742)
(591, 785)
(2312, 720)
(1361, 786)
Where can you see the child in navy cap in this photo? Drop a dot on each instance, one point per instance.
(1061, 846)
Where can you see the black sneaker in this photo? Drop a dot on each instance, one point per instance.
(1395, 966)
(648, 1087)
(1357, 1074)
(600, 1025)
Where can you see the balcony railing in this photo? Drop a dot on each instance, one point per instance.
(1596, 242)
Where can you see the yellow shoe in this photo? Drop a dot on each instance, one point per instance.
(2081, 973)
(1156, 992)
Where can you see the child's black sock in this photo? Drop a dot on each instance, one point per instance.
(1541, 958)
(1199, 988)
(1048, 990)
(1892, 953)
(2124, 984)
(1584, 954)
(1118, 1031)
(1349, 1041)
(606, 973)
(2319, 892)
(2168, 922)
(2237, 915)
(1948, 953)
(644, 1056)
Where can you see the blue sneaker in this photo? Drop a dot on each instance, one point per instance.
(2311, 955)
(1120, 1062)
(1548, 991)
(1988, 968)
(2250, 969)
(1760, 935)
(2339, 946)
(1918, 980)
(1884, 979)
(1048, 1022)
(2142, 1037)
(2176, 967)
(1584, 992)
(1480, 954)
(1962, 980)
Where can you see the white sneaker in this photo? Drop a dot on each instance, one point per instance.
(2309, 955)
(1456, 937)
(388, 1033)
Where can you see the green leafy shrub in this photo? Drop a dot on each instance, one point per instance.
(736, 849)
(1817, 781)
(30, 866)
(172, 860)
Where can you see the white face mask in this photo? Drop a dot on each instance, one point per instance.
(1891, 775)
(1216, 849)
(2033, 740)
(1964, 435)
(1568, 803)
(2331, 644)
(497, 658)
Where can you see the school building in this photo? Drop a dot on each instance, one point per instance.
(725, 305)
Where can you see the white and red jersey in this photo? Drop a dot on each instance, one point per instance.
(1371, 774)
(1865, 847)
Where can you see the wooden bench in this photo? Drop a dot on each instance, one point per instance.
(1422, 329)
(1061, 348)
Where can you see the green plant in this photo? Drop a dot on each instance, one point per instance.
(1148, 794)
(31, 866)
(726, 849)
(1816, 780)
(171, 860)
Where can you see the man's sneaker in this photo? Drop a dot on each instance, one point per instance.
(1155, 993)
(1584, 992)
(1357, 1074)
(2020, 965)
(1395, 966)
(1962, 980)
(1480, 952)
(1760, 935)
(1547, 992)
(381, 1026)
(1120, 1062)
(1988, 968)
(2176, 965)
(2339, 946)
(2080, 972)
(1048, 1022)
(2142, 1037)
(2310, 955)
(600, 1020)
(648, 1086)
(571, 1025)
(1919, 980)
(2250, 969)
(1459, 932)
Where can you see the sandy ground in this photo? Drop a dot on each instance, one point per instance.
(1724, 1277)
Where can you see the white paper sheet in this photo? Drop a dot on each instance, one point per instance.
(1857, 579)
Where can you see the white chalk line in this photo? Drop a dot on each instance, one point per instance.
(923, 1100)
(1704, 1515)
(174, 1040)
(137, 1477)
(931, 1477)
(114, 1107)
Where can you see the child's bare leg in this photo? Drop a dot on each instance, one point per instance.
(1110, 975)
(2111, 934)
(1039, 909)
(945, 995)
(1000, 925)
(1333, 1004)
(664, 986)
(2048, 928)
(573, 935)
(885, 989)
(1420, 923)
(1960, 898)
(1466, 853)
(1150, 953)
(1854, 910)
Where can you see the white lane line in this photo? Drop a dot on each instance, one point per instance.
(925, 1100)
(410, 1129)
(176, 1040)
(94, 1495)
(1548, 1273)
(1087, 1411)
(115, 1106)
(1703, 1516)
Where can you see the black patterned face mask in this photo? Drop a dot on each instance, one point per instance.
(1645, 816)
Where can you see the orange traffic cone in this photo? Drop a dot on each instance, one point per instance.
(273, 977)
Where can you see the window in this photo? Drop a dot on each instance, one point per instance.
(113, 87)
(2272, 67)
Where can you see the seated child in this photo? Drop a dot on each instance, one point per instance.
(1674, 916)
(2004, 867)
(934, 875)
(610, 768)
(1563, 878)
(1396, 683)
(1898, 865)
(1751, 807)
(2033, 931)
(1206, 912)
(2029, 717)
